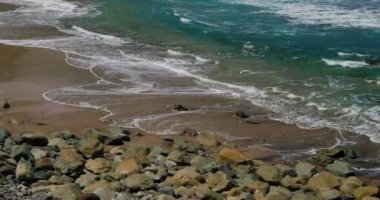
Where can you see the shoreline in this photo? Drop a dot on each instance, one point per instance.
(266, 135)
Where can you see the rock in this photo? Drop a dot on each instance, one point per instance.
(165, 197)
(22, 151)
(349, 185)
(38, 153)
(34, 139)
(7, 169)
(140, 182)
(340, 168)
(102, 189)
(338, 152)
(70, 162)
(42, 175)
(4, 104)
(285, 170)
(189, 132)
(117, 140)
(186, 176)
(178, 107)
(365, 191)
(68, 191)
(65, 135)
(218, 181)
(90, 146)
(207, 140)
(128, 167)
(98, 165)
(203, 192)
(4, 134)
(241, 114)
(292, 183)
(119, 131)
(278, 193)
(57, 142)
(238, 194)
(176, 156)
(155, 152)
(323, 180)
(330, 194)
(269, 173)
(24, 171)
(137, 152)
(212, 166)
(86, 179)
(372, 61)
(231, 156)
(45, 163)
(305, 169)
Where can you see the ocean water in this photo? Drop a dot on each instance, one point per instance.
(313, 63)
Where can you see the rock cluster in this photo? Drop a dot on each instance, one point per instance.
(108, 165)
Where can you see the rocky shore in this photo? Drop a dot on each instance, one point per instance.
(108, 164)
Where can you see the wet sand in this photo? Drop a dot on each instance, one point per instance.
(25, 73)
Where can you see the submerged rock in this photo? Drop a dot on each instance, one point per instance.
(340, 168)
(241, 114)
(178, 107)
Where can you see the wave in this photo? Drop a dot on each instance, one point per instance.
(343, 54)
(318, 13)
(185, 20)
(107, 39)
(345, 63)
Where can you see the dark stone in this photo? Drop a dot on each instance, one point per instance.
(190, 132)
(22, 151)
(178, 107)
(4, 134)
(66, 135)
(7, 169)
(42, 175)
(34, 140)
(5, 104)
(372, 61)
(241, 114)
(89, 196)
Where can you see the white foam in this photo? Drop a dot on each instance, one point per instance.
(185, 20)
(345, 63)
(107, 39)
(343, 54)
(310, 12)
(318, 106)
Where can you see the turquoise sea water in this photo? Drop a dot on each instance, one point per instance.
(314, 63)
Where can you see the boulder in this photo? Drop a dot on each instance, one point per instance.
(128, 167)
(305, 169)
(278, 193)
(292, 183)
(4, 104)
(7, 169)
(140, 182)
(102, 189)
(155, 152)
(324, 180)
(138, 152)
(68, 191)
(218, 181)
(119, 131)
(4, 134)
(38, 153)
(259, 185)
(269, 173)
(22, 151)
(349, 185)
(330, 194)
(178, 107)
(45, 163)
(186, 176)
(340, 168)
(176, 156)
(24, 171)
(207, 140)
(57, 142)
(34, 139)
(285, 170)
(241, 114)
(231, 156)
(365, 191)
(70, 162)
(90, 146)
(86, 179)
(98, 165)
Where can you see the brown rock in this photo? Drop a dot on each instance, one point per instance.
(365, 191)
(98, 165)
(45, 163)
(128, 167)
(324, 180)
(232, 156)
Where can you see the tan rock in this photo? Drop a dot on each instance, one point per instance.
(68, 153)
(350, 184)
(218, 181)
(365, 191)
(67, 191)
(232, 156)
(323, 180)
(98, 165)
(186, 176)
(269, 173)
(207, 140)
(128, 167)
(102, 189)
(45, 163)
(259, 185)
